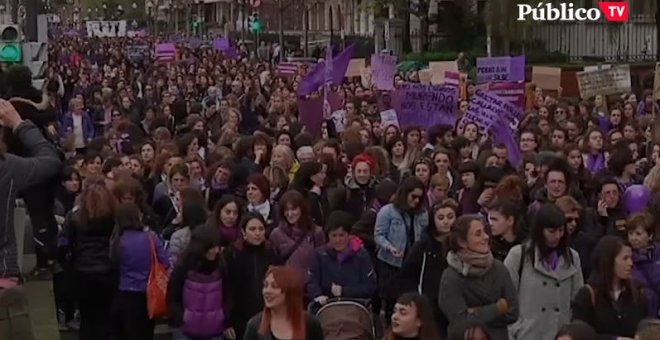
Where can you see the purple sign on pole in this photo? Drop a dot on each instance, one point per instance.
(383, 68)
(498, 117)
(165, 52)
(512, 92)
(427, 105)
(500, 69)
(220, 44)
(311, 111)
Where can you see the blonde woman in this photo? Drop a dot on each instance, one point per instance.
(284, 158)
(409, 159)
(652, 180)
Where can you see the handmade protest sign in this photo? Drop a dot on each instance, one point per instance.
(500, 69)
(486, 108)
(547, 78)
(383, 70)
(438, 70)
(427, 105)
(614, 80)
(165, 52)
(220, 44)
(311, 111)
(388, 117)
(354, 67)
(511, 92)
(497, 117)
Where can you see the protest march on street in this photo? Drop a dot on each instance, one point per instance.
(226, 189)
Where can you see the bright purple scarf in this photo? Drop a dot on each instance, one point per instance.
(595, 163)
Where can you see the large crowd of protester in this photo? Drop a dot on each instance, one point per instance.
(202, 168)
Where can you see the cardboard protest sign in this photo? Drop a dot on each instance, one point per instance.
(438, 69)
(383, 69)
(354, 67)
(499, 118)
(610, 81)
(500, 69)
(427, 105)
(425, 76)
(366, 77)
(547, 78)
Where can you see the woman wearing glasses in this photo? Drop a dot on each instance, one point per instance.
(398, 226)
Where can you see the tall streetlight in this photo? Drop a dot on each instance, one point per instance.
(150, 22)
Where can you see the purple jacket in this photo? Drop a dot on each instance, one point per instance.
(646, 271)
(283, 240)
(87, 126)
(204, 314)
(135, 259)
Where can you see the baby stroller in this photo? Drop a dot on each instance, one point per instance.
(345, 319)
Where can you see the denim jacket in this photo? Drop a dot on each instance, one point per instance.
(390, 230)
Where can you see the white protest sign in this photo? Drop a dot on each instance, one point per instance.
(615, 80)
(388, 118)
(339, 119)
(108, 29)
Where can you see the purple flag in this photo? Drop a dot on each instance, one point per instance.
(498, 117)
(315, 79)
(311, 111)
(512, 92)
(500, 69)
(383, 69)
(427, 105)
(220, 44)
(195, 43)
(502, 134)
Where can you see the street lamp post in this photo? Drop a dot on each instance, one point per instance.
(150, 25)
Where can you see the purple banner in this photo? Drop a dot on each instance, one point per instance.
(165, 52)
(383, 70)
(220, 44)
(498, 117)
(427, 105)
(511, 69)
(512, 92)
(311, 111)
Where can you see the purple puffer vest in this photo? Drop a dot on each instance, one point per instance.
(204, 314)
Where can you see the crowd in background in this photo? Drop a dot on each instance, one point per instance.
(201, 165)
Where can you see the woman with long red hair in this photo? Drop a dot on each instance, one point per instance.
(284, 316)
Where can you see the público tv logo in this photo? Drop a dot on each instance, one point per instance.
(616, 11)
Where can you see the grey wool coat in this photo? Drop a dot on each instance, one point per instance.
(544, 296)
(472, 300)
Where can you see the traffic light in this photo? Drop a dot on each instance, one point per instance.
(255, 24)
(10, 44)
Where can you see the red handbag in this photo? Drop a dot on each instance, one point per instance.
(157, 285)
